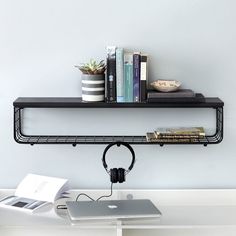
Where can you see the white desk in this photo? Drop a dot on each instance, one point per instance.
(185, 212)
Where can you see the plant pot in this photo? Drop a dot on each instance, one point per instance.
(93, 88)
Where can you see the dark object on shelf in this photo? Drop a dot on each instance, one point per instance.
(111, 74)
(143, 77)
(136, 77)
(21, 103)
(181, 93)
(198, 98)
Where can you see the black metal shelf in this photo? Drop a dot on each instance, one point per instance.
(27, 102)
(73, 102)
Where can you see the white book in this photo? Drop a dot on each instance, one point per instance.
(35, 192)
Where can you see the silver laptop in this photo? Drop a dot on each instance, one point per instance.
(113, 209)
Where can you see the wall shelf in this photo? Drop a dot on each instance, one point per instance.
(64, 102)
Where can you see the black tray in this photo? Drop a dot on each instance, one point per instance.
(199, 98)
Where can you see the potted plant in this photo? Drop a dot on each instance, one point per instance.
(93, 80)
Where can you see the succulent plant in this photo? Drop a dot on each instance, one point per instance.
(92, 67)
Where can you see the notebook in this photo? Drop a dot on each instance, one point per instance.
(112, 209)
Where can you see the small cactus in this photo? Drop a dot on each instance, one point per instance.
(92, 67)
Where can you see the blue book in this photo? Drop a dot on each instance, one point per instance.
(136, 76)
(119, 75)
(128, 77)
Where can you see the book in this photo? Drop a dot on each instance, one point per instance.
(111, 74)
(180, 133)
(164, 136)
(35, 192)
(143, 77)
(151, 137)
(181, 93)
(136, 76)
(198, 98)
(119, 75)
(128, 76)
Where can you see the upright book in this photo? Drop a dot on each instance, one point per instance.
(143, 77)
(136, 76)
(111, 74)
(119, 75)
(128, 76)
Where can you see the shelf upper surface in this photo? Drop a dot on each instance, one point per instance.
(76, 102)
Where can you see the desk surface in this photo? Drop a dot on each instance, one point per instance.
(180, 209)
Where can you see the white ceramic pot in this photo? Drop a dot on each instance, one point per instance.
(93, 88)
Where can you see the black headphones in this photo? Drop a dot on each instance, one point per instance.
(117, 175)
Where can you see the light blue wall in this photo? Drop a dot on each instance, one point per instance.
(191, 41)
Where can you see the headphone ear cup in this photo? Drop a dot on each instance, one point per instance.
(114, 175)
(121, 175)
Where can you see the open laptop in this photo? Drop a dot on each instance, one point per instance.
(113, 209)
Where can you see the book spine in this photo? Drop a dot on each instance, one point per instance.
(143, 78)
(161, 136)
(150, 137)
(128, 77)
(136, 76)
(111, 74)
(119, 75)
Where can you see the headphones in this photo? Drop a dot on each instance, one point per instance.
(117, 175)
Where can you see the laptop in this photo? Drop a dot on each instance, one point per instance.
(112, 209)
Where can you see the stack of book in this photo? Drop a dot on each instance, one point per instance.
(182, 95)
(182, 134)
(126, 79)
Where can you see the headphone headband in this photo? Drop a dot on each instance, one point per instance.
(118, 143)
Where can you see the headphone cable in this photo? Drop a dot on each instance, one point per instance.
(107, 195)
(86, 195)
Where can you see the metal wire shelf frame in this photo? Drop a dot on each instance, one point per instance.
(22, 138)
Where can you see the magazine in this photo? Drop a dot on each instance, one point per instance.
(34, 192)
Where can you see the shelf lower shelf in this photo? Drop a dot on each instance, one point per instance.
(74, 140)
(22, 103)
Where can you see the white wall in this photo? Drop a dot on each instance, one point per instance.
(189, 40)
